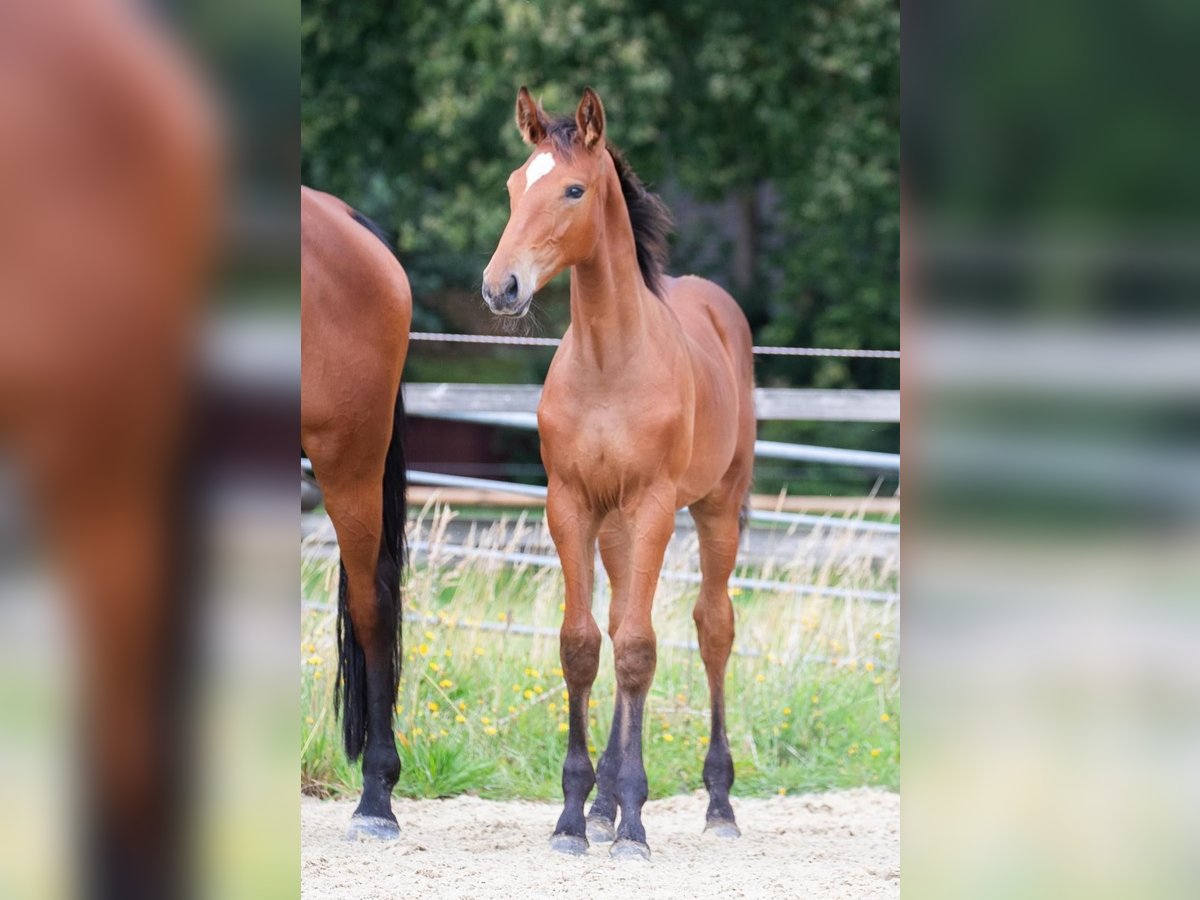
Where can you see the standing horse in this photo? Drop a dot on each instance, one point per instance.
(648, 407)
(355, 313)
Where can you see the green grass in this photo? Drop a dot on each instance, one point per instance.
(812, 703)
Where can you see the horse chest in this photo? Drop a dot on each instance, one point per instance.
(603, 441)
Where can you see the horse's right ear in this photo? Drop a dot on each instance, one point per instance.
(531, 118)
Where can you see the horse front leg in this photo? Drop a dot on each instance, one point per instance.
(573, 529)
(635, 653)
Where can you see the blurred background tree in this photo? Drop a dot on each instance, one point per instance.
(770, 128)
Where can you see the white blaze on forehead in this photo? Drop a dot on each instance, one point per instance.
(542, 163)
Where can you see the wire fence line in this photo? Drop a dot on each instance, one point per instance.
(517, 557)
(510, 627)
(841, 352)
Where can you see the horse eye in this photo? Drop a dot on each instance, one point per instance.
(575, 191)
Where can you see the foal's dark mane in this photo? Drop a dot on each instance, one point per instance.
(649, 216)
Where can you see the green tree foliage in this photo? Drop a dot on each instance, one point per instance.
(789, 112)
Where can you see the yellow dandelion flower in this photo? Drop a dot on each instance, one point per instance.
(735, 592)
(485, 720)
(566, 696)
(786, 725)
(309, 720)
(443, 732)
(668, 738)
(479, 651)
(433, 706)
(591, 703)
(869, 666)
(562, 607)
(537, 689)
(816, 698)
(429, 636)
(885, 718)
(787, 710)
(434, 667)
(875, 751)
(553, 707)
(760, 677)
(782, 791)
(878, 679)
(314, 660)
(445, 683)
(490, 730)
(878, 636)
(591, 748)
(528, 695)
(563, 726)
(512, 709)
(703, 740)
(558, 673)
(462, 704)
(460, 719)
(417, 732)
(318, 673)
(423, 649)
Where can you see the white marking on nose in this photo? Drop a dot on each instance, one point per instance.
(542, 163)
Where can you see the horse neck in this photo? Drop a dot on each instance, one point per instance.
(610, 313)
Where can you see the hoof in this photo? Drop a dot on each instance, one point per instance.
(627, 849)
(571, 844)
(600, 830)
(372, 828)
(723, 828)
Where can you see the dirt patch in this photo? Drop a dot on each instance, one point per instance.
(838, 845)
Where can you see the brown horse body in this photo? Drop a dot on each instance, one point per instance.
(647, 408)
(355, 313)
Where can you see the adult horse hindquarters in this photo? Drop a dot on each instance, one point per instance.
(648, 407)
(355, 313)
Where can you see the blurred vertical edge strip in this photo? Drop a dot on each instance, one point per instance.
(1052, 348)
(149, 388)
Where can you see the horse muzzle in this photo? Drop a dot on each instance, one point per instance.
(506, 298)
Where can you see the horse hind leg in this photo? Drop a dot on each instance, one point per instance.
(718, 529)
(368, 613)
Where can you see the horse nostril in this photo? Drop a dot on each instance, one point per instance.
(510, 288)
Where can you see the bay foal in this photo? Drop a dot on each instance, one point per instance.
(647, 408)
(355, 313)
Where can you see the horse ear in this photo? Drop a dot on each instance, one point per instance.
(589, 118)
(531, 118)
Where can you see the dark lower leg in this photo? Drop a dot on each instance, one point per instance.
(636, 656)
(381, 762)
(580, 653)
(604, 808)
(718, 765)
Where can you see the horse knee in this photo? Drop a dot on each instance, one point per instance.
(636, 656)
(579, 651)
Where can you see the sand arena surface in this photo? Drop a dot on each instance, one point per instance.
(843, 844)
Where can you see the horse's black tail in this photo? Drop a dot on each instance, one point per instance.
(389, 573)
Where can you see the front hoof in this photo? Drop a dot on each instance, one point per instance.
(571, 844)
(627, 849)
(600, 830)
(723, 828)
(372, 828)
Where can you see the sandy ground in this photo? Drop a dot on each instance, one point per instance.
(836, 845)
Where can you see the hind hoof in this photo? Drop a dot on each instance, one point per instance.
(372, 828)
(600, 830)
(723, 828)
(627, 849)
(571, 844)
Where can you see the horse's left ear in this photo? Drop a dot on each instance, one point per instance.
(589, 118)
